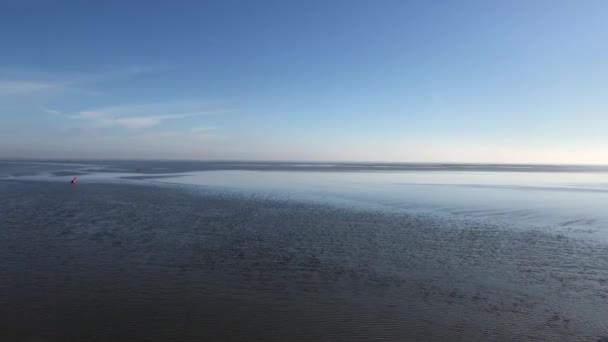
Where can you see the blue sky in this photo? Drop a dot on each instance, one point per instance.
(461, 81)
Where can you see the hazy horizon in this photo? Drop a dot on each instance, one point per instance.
(68, 160)
(343, 81)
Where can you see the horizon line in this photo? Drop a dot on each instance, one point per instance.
(293, 161)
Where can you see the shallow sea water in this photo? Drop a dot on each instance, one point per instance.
(184, 253)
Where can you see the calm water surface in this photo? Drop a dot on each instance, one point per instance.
(192, 251)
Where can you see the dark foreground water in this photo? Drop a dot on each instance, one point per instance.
(161, 262)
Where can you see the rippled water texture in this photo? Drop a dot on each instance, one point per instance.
(245, 258)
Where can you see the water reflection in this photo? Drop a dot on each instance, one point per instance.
(573, 200)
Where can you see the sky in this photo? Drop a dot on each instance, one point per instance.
(334, 80)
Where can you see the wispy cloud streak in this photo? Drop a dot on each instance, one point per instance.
(20, 82)
(138, 116)
(140, 121)
(22, 87)
(50, 111)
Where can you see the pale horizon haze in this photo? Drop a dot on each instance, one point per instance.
(392, 81)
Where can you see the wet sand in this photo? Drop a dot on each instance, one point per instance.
(109, 262)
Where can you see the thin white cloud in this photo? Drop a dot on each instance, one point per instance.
(136, 122)
(139, 116)
(23, 82)
(156, 108)
(19, 87)
(89, 114)
(50, 111)
(140, 121)
(28, 87)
